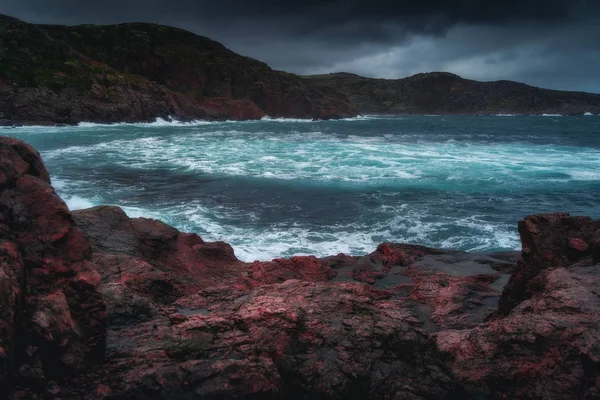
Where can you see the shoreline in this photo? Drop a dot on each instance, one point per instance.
(103, 306)
(193, 154)
(7, 124)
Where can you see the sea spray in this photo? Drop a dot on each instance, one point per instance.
(282, 187)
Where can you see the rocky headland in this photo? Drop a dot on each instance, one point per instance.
(138, 72)
(97, 305)
(445, 93)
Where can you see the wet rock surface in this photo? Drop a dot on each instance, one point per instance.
(544, 341)
(53, 314)
(98, 305)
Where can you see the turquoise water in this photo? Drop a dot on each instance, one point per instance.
(281, 187)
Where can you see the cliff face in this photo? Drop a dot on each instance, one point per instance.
(97, 305)
(138, 72)
(444, 93)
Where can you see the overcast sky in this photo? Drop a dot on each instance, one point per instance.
(551, 43)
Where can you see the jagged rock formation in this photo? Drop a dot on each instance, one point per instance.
(445, 93)
(138, 72)
(544, 341)
(97, 305)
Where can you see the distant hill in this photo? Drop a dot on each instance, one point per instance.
(445, 93)
(138, 72)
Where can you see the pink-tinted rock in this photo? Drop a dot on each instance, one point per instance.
(273, 329)
(549, 240)
(292, 340)
(546, 348)
(186, 319)
(11, 272)
(279, 270)
(187, 261)
(391, 254)
(544, 343)
(454, 302)
(49, 300)
(579, 245)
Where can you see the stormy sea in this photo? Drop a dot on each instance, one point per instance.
(276, 187)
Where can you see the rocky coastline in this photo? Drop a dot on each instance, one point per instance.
(97, 305)
(138, 72)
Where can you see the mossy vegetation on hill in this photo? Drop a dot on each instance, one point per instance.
(175, 71)
(36, 57)
(61, 56)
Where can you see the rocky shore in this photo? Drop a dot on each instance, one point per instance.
(97, 305)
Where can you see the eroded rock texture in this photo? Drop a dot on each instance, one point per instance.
(53, 316)
(544, 342)
(97, 305)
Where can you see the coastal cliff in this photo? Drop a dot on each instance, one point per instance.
(140, 72)
(445, 93)
(98, 305)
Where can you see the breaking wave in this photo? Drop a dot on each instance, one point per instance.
(287, 187)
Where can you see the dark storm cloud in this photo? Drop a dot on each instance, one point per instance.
(304, 16)
(551, 43)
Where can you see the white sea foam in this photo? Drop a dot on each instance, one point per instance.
(140, 212)
(341, 158)
(582, 175)
(159, 122)
(355, 239)
(59, 184)
(329, 157)
(272, 119)
(408, 226)
(310, 120)
(77, 203)
(588, 114)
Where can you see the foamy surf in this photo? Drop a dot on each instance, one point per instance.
(77, 203)
(158, 123)
(311, 120)
(283, 188)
